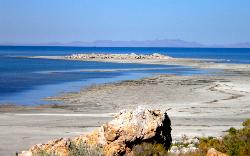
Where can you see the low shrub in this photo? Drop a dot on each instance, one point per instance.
(44, 153)
(149, 149)
(235, 143)
(82, 149)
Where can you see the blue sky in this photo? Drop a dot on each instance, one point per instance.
(205, 21)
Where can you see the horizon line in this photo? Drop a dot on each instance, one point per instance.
(178, 43)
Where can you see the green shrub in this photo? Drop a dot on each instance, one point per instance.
(235, 143)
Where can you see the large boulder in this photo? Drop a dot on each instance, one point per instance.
(119, 136)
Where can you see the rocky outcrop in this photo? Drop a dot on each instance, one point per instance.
(116, 56)
(214, 152)
(117, 137)
(58, 147)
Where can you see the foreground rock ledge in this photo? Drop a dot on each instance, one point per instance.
(117, 137)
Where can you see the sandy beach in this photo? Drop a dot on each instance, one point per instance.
(198, 105)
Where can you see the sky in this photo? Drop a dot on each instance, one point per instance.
(204, 21)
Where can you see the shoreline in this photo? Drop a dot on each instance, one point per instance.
(188, 62)
(198, 105)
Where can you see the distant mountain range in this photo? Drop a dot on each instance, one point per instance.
(147, 43)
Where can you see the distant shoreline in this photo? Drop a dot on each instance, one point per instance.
(191, 62)
(169, 43)
(79, 46)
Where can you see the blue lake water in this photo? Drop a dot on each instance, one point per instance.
(25, 81)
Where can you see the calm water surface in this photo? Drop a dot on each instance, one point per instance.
(25, 81)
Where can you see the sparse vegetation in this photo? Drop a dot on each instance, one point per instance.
(149, 149)
(83, 149)
(154, 149)
(44, 153)
(235, 143)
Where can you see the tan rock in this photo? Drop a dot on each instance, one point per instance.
(214, 152)
(130, 128)
(59, 147)
(118, 136)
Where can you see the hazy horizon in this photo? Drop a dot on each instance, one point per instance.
(147, 43)
(207, 22)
